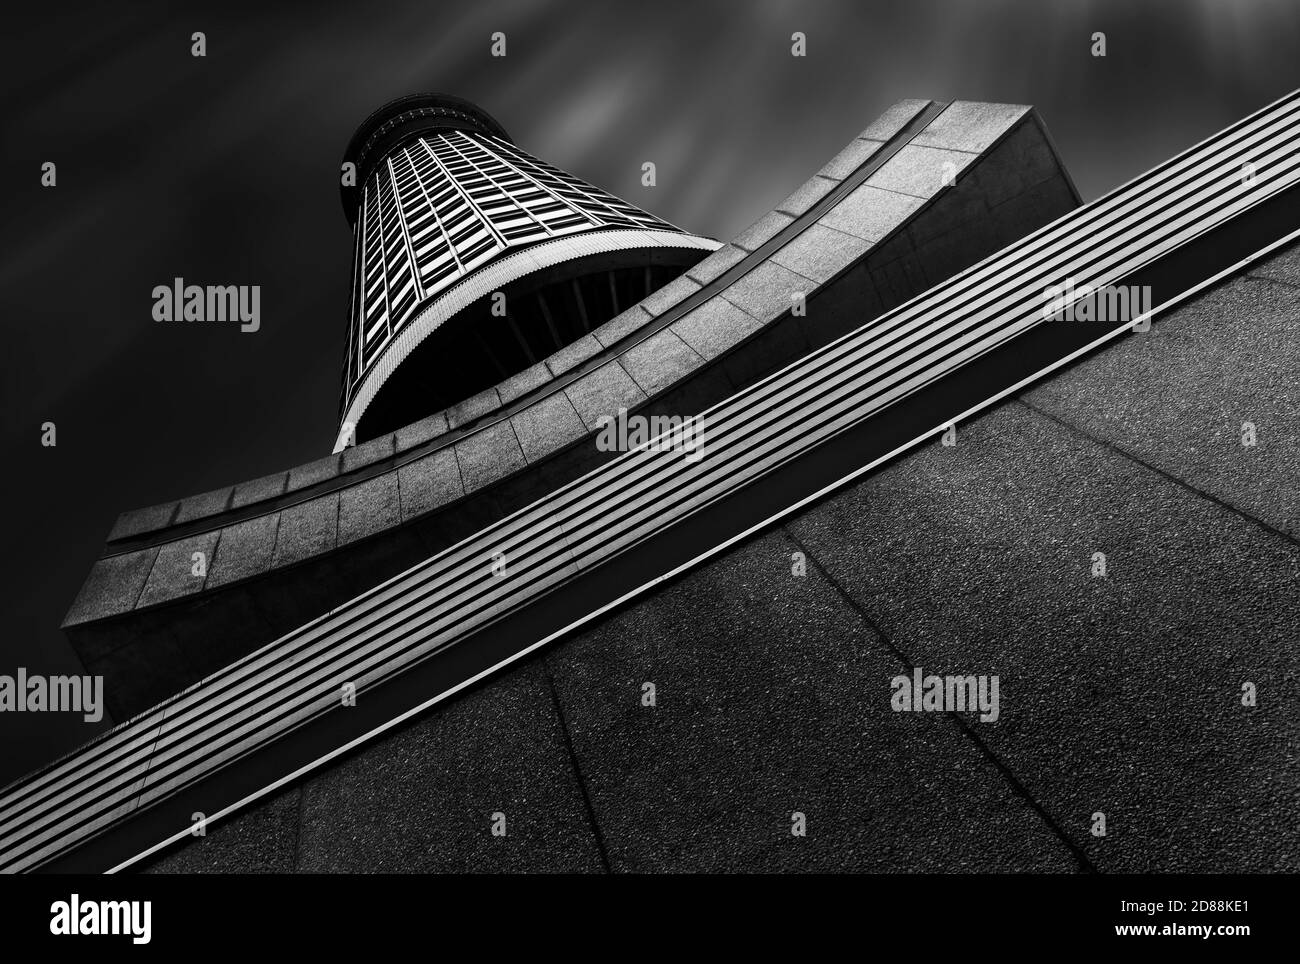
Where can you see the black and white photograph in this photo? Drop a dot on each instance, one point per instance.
(746, 439)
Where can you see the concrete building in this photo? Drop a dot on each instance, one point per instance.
(768, 591)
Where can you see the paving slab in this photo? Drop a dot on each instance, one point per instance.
(1178, 396)
(422, 799)
(603, 392)
(659, 361)
(1119, 694)
(767, 703)
(172, 575)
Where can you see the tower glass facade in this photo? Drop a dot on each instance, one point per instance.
(439, 213)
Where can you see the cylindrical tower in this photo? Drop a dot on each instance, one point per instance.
(475, 260)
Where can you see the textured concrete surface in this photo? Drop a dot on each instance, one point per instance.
(714, 327)
(857, 153)
(763, 230)
(429, 482)
(304, 475)
(474, 407)
(893, 120)
(262, 840)
(172, 574)
(970, 126)
(603, 392)
(870, 212)
(530, 378)
(367, 453)
(659, 361)
(113, 586)
(920, 171)
(820, 252)
(255, 490)
(244, 550)
(489, 455)
(423, 799)
(135, 521)
(1283, 266)
(573, 354)
(768, 291)
(664, 298)
(1119, 694)
(209, 503)
(621, 325)
(716, 264)
(307, 529)
(771, 697)
(806, 195)
(543, 428)
(426, 429)
(1201, 373)
(368, 507)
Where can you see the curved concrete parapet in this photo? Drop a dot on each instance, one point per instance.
(877, 226)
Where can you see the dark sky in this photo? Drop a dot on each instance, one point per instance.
(223, 170)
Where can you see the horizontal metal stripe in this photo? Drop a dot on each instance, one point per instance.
(581, 524)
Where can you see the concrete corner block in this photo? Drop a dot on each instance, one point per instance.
(112, 586)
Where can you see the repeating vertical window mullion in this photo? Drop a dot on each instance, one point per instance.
(436, 215)
(469, 201)
(406, 234)
(505, 191)
(573, 185)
